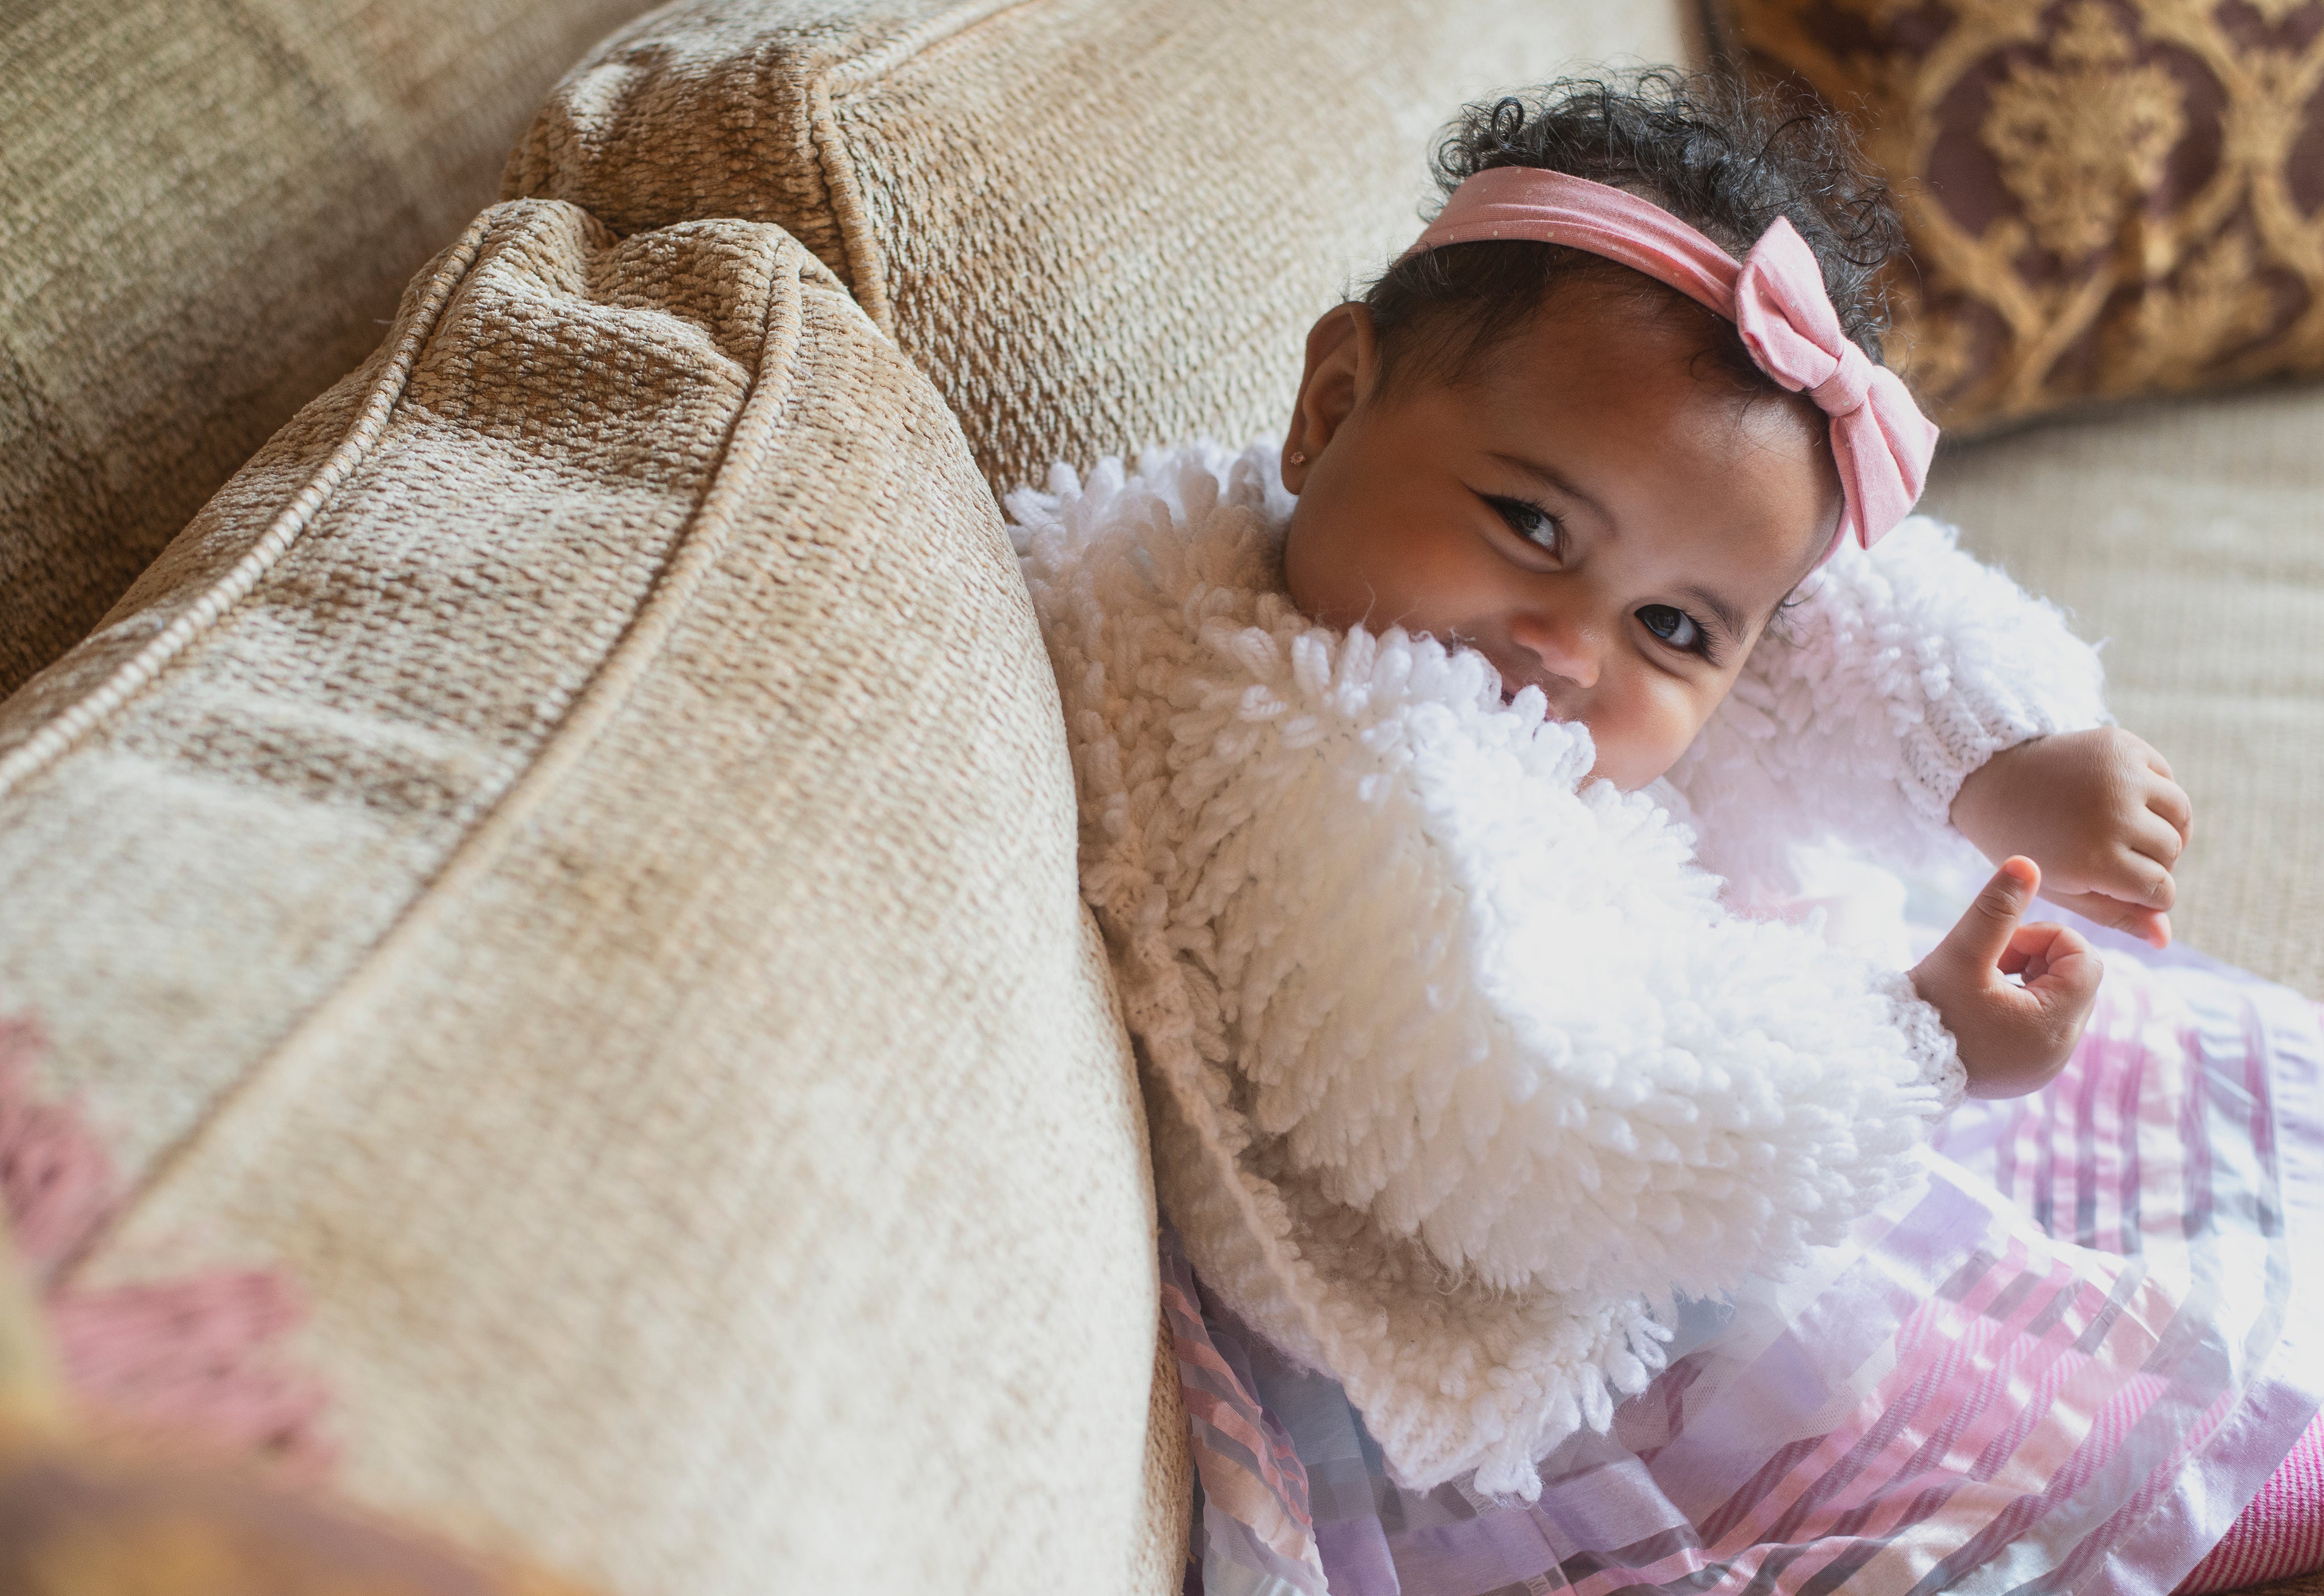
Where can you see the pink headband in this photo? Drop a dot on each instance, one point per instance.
(1776, 298)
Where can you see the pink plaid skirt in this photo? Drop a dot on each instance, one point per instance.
(2081, 1356)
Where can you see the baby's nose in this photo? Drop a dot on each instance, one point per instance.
(1564, 646)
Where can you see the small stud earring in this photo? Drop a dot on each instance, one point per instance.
(1299, 456)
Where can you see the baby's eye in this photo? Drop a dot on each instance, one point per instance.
(1673, 626)
(1530, 522)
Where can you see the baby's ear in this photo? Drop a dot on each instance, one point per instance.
(1344, 367)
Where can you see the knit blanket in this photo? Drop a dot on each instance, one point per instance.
(1458, 1068)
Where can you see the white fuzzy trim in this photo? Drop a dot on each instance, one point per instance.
(1455, 1069)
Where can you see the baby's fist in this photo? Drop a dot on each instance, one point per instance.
(2098, 811)
(2012, 1038)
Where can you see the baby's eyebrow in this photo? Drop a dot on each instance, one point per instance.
(1543, 474)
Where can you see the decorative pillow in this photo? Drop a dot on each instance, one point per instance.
(570, 856)
(2104, 197)
(1096, 226)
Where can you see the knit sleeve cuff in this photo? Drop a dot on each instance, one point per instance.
(1936, 765)
(1943, 1079)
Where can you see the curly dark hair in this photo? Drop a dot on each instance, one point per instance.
(1724, 159)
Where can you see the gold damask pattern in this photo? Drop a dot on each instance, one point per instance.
(2103, 198)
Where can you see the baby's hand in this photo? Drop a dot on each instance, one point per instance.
(2012, 1038)
(2098, 811)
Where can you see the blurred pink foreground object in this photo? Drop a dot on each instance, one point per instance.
(190, 1358)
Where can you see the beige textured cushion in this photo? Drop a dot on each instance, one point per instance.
(2189, 535)
(571, 855)
(1096, 226)
(206, 209)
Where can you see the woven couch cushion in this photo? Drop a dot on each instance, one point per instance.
(2189, 535)
(206, 209)
(1095, 226)
(570, 855)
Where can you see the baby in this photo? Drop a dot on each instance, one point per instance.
(1582, 472)
(1434, 792)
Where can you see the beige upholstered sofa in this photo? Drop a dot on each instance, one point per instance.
(569, 853)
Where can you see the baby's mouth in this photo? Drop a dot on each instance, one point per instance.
(1551, 709)
(1515, 682)
(1549, 706)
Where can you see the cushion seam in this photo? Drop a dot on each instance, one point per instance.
(866, 265)
(848, 74)
(866, 261)
(132, 676)
(705, 541)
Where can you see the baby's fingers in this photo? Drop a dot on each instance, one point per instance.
(2057, 964)
(1983, 933)
(2151, 836)
(2061, 976)
(2127, 876)
(2169, 803)
(2150, 925)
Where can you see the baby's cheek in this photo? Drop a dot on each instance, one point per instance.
(1645, 734)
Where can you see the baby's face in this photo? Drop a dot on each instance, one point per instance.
(1594, 510)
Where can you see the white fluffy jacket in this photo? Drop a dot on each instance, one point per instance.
(1459, 1068)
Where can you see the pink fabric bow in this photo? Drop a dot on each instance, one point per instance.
(1776, 298)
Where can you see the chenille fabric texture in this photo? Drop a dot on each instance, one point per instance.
(1457, 1065)
(1094, 228)
(2103, 198)
(207, 209)
(570, 857)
